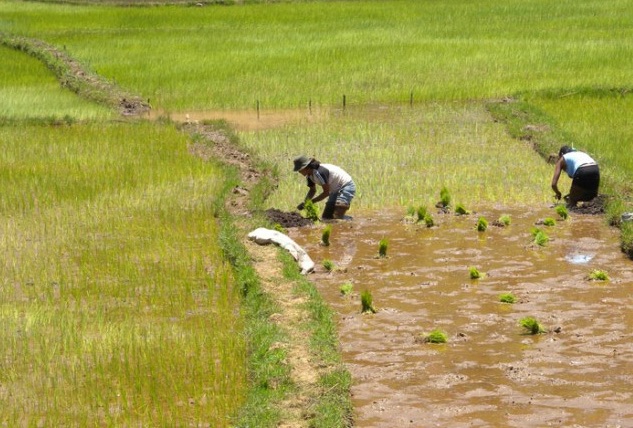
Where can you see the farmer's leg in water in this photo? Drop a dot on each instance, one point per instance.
(340, 210)
(344, 199)
(328, 211)
(584, 186)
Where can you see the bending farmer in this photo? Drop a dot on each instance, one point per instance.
(338, 186)
(584, 172)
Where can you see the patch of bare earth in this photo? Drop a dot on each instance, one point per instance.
(292, 314)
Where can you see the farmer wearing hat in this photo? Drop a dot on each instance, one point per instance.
(338, 186)
(584, 172)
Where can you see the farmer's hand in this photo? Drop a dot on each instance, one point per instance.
(557, 196)
(301, 206)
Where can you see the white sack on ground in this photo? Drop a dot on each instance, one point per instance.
(264, 236)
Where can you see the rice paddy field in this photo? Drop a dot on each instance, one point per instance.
(117, 292)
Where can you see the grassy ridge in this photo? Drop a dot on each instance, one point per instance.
(117, 307)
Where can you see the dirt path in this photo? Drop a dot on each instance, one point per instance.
(305, 372)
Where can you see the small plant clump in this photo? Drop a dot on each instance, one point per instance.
(540, 238)
(445, 198)
(507, 298)
(461, 210)
(328, 265)
(279, 228)
(421, 213)
(598, 275)
(505, 220)
(346, 289)
(383, 245)
(311, 210)
(325, 236)
(474, 273)
(549, 221)
(482, 224)
(436, 336)
(531, 325)
(367, 302)
(561, 210)
(428, 220)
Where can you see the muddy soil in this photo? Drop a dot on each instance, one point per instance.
(491, 373)
(287, 219)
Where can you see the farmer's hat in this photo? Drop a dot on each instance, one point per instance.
(301, 162)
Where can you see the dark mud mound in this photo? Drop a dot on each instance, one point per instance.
(593, 207)
(287, 219)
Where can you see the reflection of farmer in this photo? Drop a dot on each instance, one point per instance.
(338, 186)
(584, 172)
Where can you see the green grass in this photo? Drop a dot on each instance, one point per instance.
(29, 90)
(115, 307)
(370, 51)
(400, 157)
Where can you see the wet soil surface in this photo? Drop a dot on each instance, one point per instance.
(491, 373)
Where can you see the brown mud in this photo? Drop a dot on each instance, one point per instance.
(491, 373)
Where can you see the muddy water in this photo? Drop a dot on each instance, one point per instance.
(490, 373)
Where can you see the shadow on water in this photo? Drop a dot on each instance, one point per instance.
(490, 373)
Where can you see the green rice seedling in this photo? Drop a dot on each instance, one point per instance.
(279, 228)
(325, 236)
(507, 298)
(436, 336)
(531, 325)
(411, 212)
(482, 224)
(367, 302)
(505, 220)
(445, 197)
(428, 220)
(540, 238)
(474, 273)
(328, 265)
(421, 213)
(598, 275)
(311, 210)
(461, 210)
(383, 245)
(562, 211)
(549, 221)
(346, 289)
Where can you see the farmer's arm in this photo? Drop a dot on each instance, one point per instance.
(560, 166)
(309, 195)
(324, 194)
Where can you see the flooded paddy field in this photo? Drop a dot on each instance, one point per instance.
(491, 372)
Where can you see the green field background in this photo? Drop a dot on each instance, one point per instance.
(116, 291)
